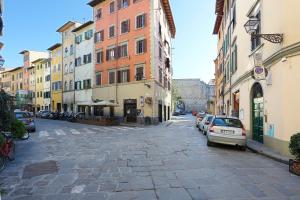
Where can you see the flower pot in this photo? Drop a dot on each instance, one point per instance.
(294, 167)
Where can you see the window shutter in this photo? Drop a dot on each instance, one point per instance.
(101, 56)
(128, 2)
(145, 45)
(128, 75)
(145, 20)
(107, 54)
(119, 76)
(102, 35)
(95, 37)
(128, 25)
(119, 4)
(137, 47)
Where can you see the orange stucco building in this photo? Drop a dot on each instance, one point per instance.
(133, 58)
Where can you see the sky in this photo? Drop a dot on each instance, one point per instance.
(32, 25)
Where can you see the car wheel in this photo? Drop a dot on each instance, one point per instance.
(243, 148)
(209, 144)
(204, 133)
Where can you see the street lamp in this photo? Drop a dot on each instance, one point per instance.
(252, 26)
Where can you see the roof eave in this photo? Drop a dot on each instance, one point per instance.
(65, 26)
(93, 3)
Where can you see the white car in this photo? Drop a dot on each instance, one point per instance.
(226, 130)
(203, 126)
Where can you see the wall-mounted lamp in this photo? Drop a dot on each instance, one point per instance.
(252, 26)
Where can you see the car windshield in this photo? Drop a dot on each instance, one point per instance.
(229, 122)
(21, 115)
(209, 118)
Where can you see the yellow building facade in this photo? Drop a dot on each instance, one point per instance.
(56, 77)
(268, 107)
(39, 85)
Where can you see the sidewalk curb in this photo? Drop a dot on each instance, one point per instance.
(276, 158)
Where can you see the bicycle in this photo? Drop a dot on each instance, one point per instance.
(7, 151)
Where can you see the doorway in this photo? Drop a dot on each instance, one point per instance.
(165, 113)
(160, 112)
(257, 113)
(130, 110)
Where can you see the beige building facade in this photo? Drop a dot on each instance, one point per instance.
(268, 107)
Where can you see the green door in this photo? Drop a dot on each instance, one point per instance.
(258, 114)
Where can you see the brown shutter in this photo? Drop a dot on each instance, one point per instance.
(119, 76)
(107, 54)
(102, 35)
(128, 2)
(128, 75)
(128, 25)
(145, 45)
(145, 20)
(101, 59)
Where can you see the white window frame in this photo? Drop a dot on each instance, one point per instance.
(136, 41)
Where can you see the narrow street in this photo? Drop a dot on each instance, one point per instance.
(168, 162)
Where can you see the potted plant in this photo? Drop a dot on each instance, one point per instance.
(18, 129)
(294, 164)
(2, 140)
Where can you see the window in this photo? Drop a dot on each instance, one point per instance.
(66, 68)
(78, 85)
(99, 14)
(160, 75)
(160, 51)
(77, 61)
(71, 85)
(66, 86)
(159, 29)
(140, 21)
(78, 39)
(87, 84)
(37, 94)
(47, 78)
(125, 26)
(58, 67)
(41, 79)
(112, 77)
(234, 60)
(87, 58)
(111, 31)
(123, 3)
(123, 76)
(71, 67)
(99, 57)
(234, 16)
(112, 7)
(110, 53)
(54, 68)
(139, 72)
(256, 41)
(98, 78)
(71, 49)
(123, 50)
(99, 36)
(88, 35)
(141, 46)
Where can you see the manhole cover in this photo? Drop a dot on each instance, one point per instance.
(38, 169)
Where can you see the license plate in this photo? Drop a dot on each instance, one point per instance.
(227, 132)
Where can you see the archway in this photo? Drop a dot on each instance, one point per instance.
(257, 100)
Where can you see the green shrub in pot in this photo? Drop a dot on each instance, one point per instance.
(295, 146)
(18, 129)
(2, 140)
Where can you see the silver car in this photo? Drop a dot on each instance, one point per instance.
(226, 130)
(26, 118)
(203, 126)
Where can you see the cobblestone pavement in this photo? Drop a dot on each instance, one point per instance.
(167, 162)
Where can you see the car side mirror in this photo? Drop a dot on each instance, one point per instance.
(207, 123)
